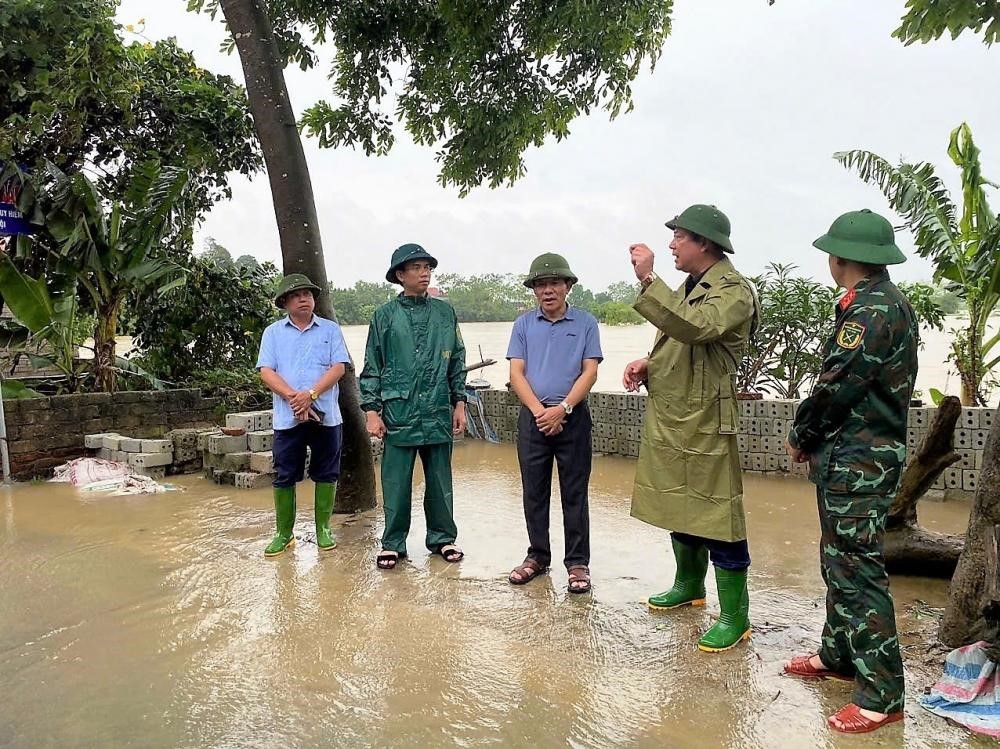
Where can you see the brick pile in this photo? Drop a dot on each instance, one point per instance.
(175, 453)
(761, 432)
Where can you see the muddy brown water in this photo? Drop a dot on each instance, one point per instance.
(154, 621)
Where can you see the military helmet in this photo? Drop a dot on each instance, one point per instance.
(549, 265)
(404, 254)
(290, 283)
(862, 236)
(706, 221)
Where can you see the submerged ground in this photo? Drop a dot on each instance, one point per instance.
(154, 621)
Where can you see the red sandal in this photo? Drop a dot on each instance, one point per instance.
(851, 720)
(801, 667)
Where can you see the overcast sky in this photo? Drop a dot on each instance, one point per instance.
(744, 110)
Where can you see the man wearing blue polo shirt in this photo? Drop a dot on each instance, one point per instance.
(302, 358)
(554, 352)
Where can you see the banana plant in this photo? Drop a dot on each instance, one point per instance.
(111, 247)
(47, 321)
(963, 246)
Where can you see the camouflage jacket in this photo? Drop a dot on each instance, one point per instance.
(853, 425)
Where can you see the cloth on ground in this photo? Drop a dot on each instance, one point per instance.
(969, 691)
(81, 471)
(96, 475)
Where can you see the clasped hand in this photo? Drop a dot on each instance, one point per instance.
(550, 420)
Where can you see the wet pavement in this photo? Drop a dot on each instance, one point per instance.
(155, 621)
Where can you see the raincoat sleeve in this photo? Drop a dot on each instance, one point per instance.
(456, 368)
(857, 354)
(370, 381)
(727, 306)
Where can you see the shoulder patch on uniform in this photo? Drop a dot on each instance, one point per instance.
(850, 335)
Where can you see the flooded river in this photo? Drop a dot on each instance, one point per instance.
(155, 621)
(622, 344)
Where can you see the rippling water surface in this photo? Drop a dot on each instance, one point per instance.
(155, 621)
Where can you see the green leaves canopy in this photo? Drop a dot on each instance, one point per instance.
(926, 20)
(482, 81)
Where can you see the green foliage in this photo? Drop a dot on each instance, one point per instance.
(109, 248)
(72, 93)
(213, 322)
(926, 20)
(616, 313)
(481, 81)
(786, 352)
(356, 305)
(16, 390)
(240, 389)
(216, 253)
(924, 300)
(487, 298)
(964, 247)
(49, 319)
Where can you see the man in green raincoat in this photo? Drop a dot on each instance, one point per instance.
(413, 392)
(852, 431)
(688, 477)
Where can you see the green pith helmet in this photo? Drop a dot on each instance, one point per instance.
(862, 236)
(290, 283)
(706, 221)
(549, 265)
(405, 254)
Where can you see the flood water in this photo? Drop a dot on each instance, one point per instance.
(622, 344)
(155, 621)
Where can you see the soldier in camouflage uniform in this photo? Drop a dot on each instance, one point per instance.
(852, 431)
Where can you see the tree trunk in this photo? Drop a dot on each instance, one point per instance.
(104, 346)
(295, 212)
(910, 549)
(991, 599)
(964, 621)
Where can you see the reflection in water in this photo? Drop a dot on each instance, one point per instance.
(155, 621)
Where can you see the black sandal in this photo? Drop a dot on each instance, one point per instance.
(453, 554)
(387, 560)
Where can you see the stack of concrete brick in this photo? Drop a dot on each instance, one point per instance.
(245, 460)
(971, 432)
(175, 453)
(762, 429)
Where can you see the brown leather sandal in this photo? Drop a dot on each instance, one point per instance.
(528, 570)
(579, 573)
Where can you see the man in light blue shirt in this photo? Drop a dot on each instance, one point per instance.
(302, 358)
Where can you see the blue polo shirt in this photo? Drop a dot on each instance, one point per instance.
(301, 357)
(553, 352)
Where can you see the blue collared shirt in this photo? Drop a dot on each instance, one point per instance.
(301, 357)
(553, 352)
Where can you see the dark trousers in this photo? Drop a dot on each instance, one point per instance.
(729, 555)
(571, 450)
(289, 453)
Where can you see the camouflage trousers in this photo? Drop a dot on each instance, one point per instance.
(859, 637)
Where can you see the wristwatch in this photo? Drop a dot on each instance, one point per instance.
(313, 394)
(648, 279)
(567, 407)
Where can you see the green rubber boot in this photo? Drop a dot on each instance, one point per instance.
(325, 496)
(689, 581)
(284, 510)
(733, 624)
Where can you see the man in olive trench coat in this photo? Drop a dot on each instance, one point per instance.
(688, 477)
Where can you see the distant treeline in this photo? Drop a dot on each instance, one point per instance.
(492, 297)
